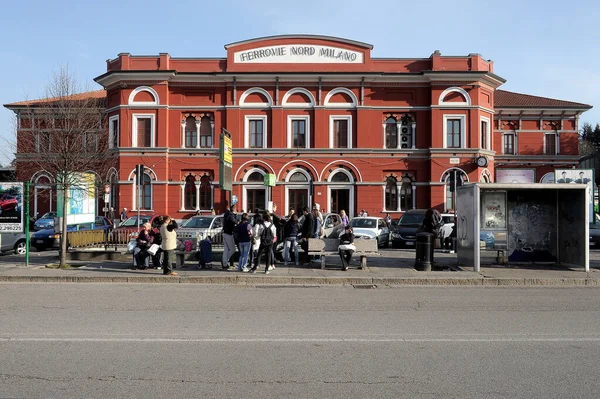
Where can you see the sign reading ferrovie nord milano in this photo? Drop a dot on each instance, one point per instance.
(298, 54)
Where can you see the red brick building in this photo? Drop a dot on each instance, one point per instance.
(335, 127)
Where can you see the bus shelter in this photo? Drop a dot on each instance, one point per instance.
(523, 223)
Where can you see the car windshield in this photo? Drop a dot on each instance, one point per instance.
(48, 215)
(132, 221)
(366, 223)
(412, 219)
(448, 219)
(198, 222)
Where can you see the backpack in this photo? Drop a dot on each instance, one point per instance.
(436, 222)
(266, 237)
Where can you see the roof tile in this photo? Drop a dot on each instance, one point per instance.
(509, 99)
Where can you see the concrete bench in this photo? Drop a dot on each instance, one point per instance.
(329, 247)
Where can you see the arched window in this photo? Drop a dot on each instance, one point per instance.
(391, 194)
(406, 194)
(191, 134)
(205, 193)
(391, 133)
(340, 177)
(190, 193)
(298, 177)
(147, 193)
(256, 177)
(449, 178)
(206, 129)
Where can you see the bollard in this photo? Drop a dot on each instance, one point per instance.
(424, 254)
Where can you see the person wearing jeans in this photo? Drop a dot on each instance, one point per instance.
(244, 238)
(229, 223)
(290, 234)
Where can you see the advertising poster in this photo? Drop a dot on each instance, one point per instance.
(578, 176)
(11, 207)
(525, 176)
(493, 210)
(81, 201)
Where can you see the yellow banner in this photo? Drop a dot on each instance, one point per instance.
(228, 150)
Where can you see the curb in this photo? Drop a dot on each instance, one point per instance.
(314, 281)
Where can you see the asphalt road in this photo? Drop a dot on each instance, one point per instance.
(156, 341)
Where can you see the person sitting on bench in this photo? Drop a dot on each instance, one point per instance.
(346, 248)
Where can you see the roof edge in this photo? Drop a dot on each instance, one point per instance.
(301, 36)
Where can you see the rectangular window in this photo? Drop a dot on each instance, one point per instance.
(340, 133)
(113, 131)
(143, 131)
(299, 133)
(453, 129)
(43, 142)
(256, 127)
(551, 144)
(484, 128)
(509, 144)
(190, 139)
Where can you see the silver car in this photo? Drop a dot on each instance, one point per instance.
(371, 228)
(13, 242)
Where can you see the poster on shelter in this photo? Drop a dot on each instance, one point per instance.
(11, 207)
(526, 176)
(578, 176)
(81, 199)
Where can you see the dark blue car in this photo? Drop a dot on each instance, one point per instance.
(45, 222)
(47, 238)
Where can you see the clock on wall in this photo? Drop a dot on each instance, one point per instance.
(482, 162)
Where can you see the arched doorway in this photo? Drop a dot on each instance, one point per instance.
(341, 192)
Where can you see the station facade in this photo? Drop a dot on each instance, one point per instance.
(333, 125)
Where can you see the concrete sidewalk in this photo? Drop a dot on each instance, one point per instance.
(393, 268)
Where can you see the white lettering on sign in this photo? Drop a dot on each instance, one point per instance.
(299, 54)
(454, 161)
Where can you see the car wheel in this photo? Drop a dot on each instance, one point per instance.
(20, 247)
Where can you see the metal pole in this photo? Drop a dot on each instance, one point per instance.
(139, 202)
(454, 192)
(26, 216)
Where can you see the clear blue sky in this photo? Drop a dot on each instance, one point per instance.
(546, 48)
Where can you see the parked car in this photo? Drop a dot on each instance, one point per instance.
(405, 234)
(47, 238)
(13, 242)
(448, 220)
(45, 222)
(595, 232)
(8, 203)
(102, 223)
(201, 226)
(330, 222)
(373, 228)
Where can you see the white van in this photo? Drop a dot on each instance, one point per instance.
(13, 242)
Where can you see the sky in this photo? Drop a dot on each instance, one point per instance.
(544, 48)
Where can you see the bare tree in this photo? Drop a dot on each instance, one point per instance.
(67, 137)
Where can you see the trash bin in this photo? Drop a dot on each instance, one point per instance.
(424, 254)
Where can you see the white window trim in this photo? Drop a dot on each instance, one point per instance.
(487, 132)
(449, 90)
(556, 142)
(253, 186)
(111, 132)
(344, 90)
(290, 132)
(463, 129)
(286, 97)
(134, 129)
(333, 118)
(244, 104)
(135, 194)
(398, 186)
(445, 181)
(297, 186)
(146, 89)
(247, 120)
(514, 143)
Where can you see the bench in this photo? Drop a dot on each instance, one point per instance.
(329, 247)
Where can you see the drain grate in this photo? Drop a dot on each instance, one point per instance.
(364, 286)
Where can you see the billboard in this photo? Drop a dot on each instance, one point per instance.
(81, 199)
(526, 176)
(225, 160)
(11, 207)
(579, 176)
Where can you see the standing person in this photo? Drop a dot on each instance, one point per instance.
(229, 222)
(307, 230)
(388, 219)
(432, 223)
(124, 214)
(278, 222)
(110, 215)
(157, 239)
(244, 238)
(169, 243)
(267, 234)
(143, 243)
(346, 248)
(212, 211)
(255, 237)
(344, 217)
(318, 233)
(292, 211)
(290, 235)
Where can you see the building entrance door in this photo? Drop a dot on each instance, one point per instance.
(298, 198)
(340, 199)
(255, 199)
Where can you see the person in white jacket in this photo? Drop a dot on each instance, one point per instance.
(169, 244)
(267, 239)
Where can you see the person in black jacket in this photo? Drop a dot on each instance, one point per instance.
(229, 223)
(290, 235)
(307, 230)
(143, 243)
(157, 239)
(346, 254)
